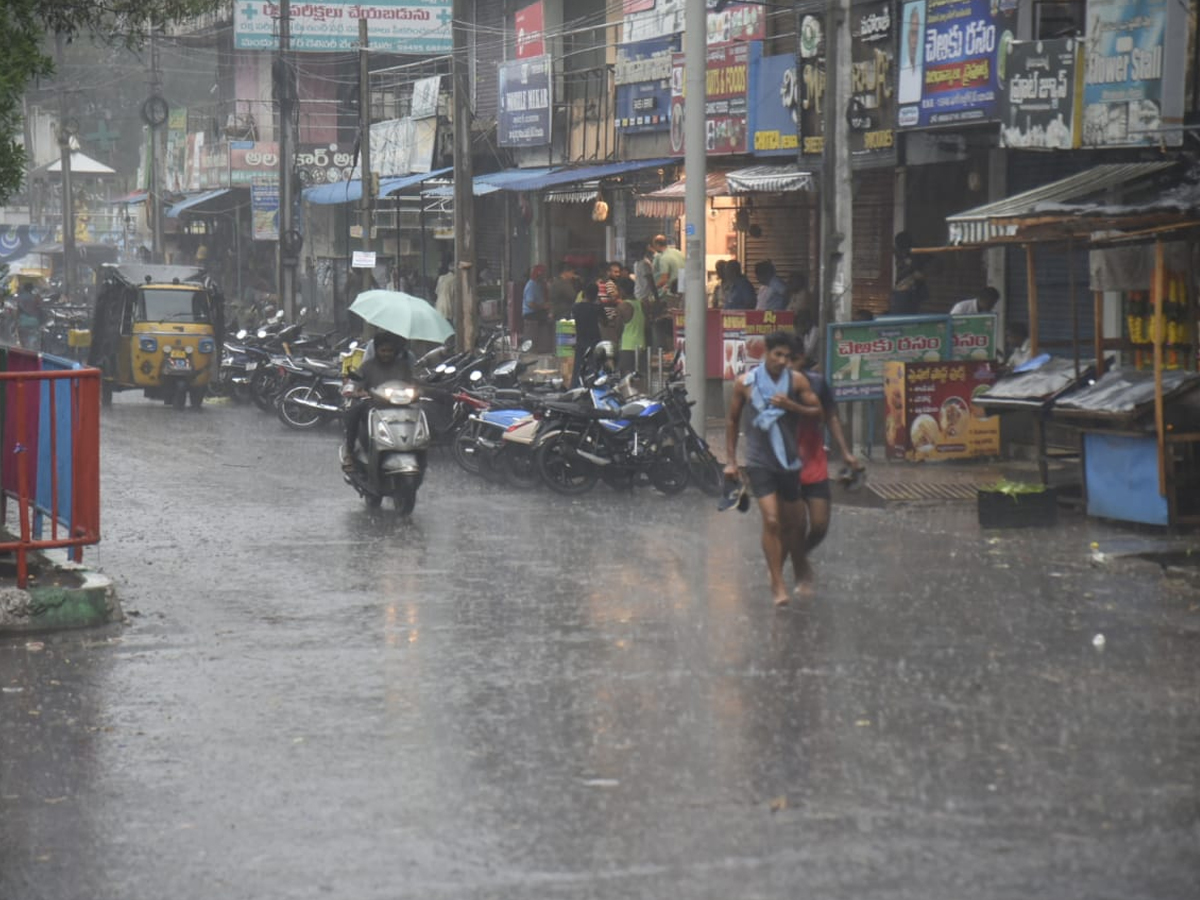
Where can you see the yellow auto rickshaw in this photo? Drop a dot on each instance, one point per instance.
(158, 329)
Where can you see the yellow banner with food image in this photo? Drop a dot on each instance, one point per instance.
(930, 413)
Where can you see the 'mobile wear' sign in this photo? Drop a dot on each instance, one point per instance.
(524, 116)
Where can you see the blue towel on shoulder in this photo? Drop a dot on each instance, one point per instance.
(762, 389)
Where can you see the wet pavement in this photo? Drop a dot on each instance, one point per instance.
(519, 695)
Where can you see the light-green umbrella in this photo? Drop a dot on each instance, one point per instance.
(402, 314)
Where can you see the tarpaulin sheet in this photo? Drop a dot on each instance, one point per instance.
(1122, 393)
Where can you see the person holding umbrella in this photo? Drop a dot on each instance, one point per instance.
(393, 361)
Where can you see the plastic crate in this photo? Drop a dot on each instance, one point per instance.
(1001, 510)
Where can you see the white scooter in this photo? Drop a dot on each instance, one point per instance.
(391, 448)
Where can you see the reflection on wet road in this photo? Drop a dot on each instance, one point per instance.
(520, 695)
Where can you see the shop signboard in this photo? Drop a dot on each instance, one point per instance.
(264, 210)
(251, 161)
(397, 26)
(931, 413)
(1134, 72)
(175, 165)
(530, 22)
(728, 83)
(425, 95)
(524, 115)
(871, 109)
(1041, 95)
(974, 337)
(648, 19)
(657, 19)
(643, 81)
(776, 107)
(858, 351)
(951, 60)
(324, 164)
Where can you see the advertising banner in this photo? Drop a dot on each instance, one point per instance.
(858, 351)
(530, 24)
(643, 81)
(733, 339)
(1041, 98)
(396, 26)
(931, 414)
(872, 104)
(952, 54)
(175, 165)
(401, 147)
(656, 19)
(974, 337)
(776, 107)
(264, 211)
(736, 22)
(524, 115)
(1135, 62)
(728, 81)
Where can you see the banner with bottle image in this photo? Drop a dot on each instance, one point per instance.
(931, 413)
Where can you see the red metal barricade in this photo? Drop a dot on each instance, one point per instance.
(81, 508)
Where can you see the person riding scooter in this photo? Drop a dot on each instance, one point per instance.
(392, 361)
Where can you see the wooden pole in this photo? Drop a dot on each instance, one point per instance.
(1031, 287)
(1098, 313)
(1157, 292)
(1074, 305)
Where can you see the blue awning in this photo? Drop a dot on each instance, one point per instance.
(197, 200)
(490, 182)
(351, 191)
(581, 174)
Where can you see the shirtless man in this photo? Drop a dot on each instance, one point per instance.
(776, 397)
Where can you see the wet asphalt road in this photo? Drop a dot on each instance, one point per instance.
(520, 696)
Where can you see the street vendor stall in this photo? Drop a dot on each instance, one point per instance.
(1142, 249)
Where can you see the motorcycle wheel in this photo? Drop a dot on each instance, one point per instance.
(517, 464)
(466, 452)
(560, 472)
(669, 473)
(373, 501)
(706, 471)
(293, 415)
(264, 387)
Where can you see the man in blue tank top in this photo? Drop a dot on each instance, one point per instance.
(774, 397)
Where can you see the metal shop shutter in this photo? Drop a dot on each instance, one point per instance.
(790, 236)
(872, 220)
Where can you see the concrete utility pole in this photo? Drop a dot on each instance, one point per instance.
(285, 84)
(696, 166)
(68, 199)
(466, 312)
(836, 196)
(367, 205)
(156, 204)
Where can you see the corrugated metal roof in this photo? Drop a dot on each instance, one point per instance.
(994, 220)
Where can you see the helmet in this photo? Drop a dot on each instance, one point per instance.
(603, 352)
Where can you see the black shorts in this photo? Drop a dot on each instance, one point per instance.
(764, 482)
(818, 490)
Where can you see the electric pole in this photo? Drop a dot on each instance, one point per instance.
(695, 163)
(68, 200)
(836, 195)
(285, 86)
(466, 312)
(156, 204)
(364, 140)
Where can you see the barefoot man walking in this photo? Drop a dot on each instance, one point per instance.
(776, 397)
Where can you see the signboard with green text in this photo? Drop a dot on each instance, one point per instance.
(974, 337)
(858, 351)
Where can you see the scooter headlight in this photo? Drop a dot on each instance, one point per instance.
(399, 396)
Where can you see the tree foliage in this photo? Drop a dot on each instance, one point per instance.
(25, 25)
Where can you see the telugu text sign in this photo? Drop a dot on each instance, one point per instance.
(1042, 90)
(524, 115)
(950, 53)
(410, 26)
(858, 351)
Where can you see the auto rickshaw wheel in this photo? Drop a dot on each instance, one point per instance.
(197, 396)
(179, 395)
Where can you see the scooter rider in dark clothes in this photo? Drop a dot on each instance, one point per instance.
(393, 361)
